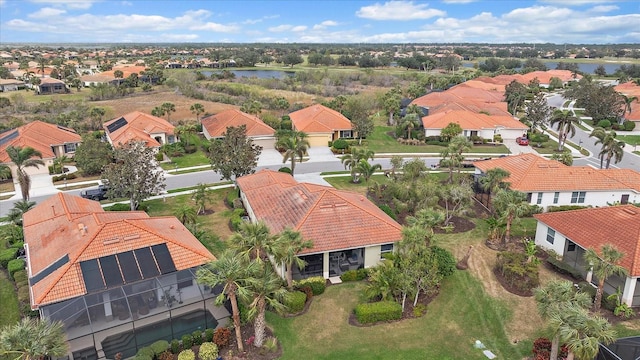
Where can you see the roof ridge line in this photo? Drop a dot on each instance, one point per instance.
(339, 194)
(168, 239)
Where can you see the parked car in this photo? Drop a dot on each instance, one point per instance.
(522, 141)
(95, 194)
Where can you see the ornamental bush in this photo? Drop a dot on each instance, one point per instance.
(175, 346)
(20, 275)
(208, 351)
(354, 275)
(187, 355)
(629, 125)
(340, 144)
(221, 337)
(387, 210)
(187, 341)
(159, 347)
(294, 301)
(14, 266)
(378, 311)
(7, 255)
(208, 334)
(517, 272)
(197, 337)
(316, 283)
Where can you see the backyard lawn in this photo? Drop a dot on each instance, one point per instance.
(195, 159)
(8, 297)
(629, 139)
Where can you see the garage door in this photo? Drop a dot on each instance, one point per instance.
(266, 143)
(319, 140)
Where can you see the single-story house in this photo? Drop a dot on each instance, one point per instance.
(630, 90)
(571, 233)
(215, 126)
(471, 97)
(50, 140)
(322, 124)
(51, 86)
(118, 281)
(551, 183)
(347, 230)
(475, 124)
(138, 126)
(10, 85)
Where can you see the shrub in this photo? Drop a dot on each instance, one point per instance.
(340, 144)
(294, 301)
(565, 208)
(585, 287)
(187, 341)
(187, 354)
(564, 268)
(285, 169)
(446, 260)
(419, 310)
(307, 290)
(197, 337)
(14, 266)
(143, 357)
(270, 344)
(167, 355)
(175, 346)
(64, 176)
(316, 283)
(231, 196)
(221, 337)
(20, 275)
(23, 294)
(387, 210)
(517, 272)
(159, 347)
(629, 125)
(7, 255)
(208, 335)
(17, 245)
(208, 351)
(354, 275)
(605, 124)
(118, 207)
(236, 219)
(379, 311)
(145, 352)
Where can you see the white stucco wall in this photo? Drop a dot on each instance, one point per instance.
(592, 198)
(541, 239)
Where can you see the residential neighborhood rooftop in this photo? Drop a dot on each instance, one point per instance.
(38, 135)
(216, 125)
(319, 118)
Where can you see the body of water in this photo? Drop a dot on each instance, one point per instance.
(586, 68)
(261, 74)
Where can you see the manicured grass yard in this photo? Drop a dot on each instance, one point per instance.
(195, 159)
(629, 139)
(8, 297)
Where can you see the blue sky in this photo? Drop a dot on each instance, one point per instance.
(305, 21)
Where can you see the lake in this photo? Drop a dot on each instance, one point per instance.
(586, 68)
(261, 74)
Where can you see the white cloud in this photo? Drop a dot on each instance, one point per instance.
(458, 1)
(210, 26)
(178, 37)
(604, 8)
(71, 4)
(46, 12)
(2, 2)
(299, 28)
(256, 21)
(126, 3)
(398, 10)
(280, 28)
(576, 2)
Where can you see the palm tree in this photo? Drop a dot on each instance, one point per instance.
(267, 290)
(352, 159)
(288, 244)
(252, 107)
(452, 156)
(409, 122)
(197, 109)
(566, 124)
(19, 208)
(5, 172)
(168, 108)
(58, 164)
(158, 111)
(564, 157)
(232, 272)
(603, 266)
(611, 148)
(184, 133)
(254, 241)
(295, 146)
(22, 158)
(511, 205)
(96, 115)
(34, 339)
(202, 195)
(493, 181)
(426, 218)
(186, 214)
(628, 100)
(366, 169)
(582, 332)
(553, 299)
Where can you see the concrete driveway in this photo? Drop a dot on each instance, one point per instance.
(270, 157)
(321, 154)
(516, 149)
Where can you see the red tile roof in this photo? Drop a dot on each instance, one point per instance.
(217, 124)
(543, 76)
(319, 119)
(67, 225)
(332, 219)
(139, 127)
(471, 121)
(593, 228)
(38, 135)
(531, 173)
(473, 97)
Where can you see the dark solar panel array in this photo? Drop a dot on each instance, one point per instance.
(49, 269)
(66, 129)
(9, 137)
(116, 125)
(126, 267)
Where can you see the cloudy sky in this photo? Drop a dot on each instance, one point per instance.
(328, 21)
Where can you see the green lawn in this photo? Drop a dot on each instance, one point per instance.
(8, 297)
(629, 139)
(195, 159)
(381, 142)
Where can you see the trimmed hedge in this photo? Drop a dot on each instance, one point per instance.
(159, 347)
(187, 341)
(118, 207)
(379, 311)
(20, 275)
(446, 260)
(7, 255)
(236, 219)
(208, 334)
(387, 210)
(17, 245)
(354, 275)
(14, 266)
(232, 195)
(294, 301)
(317, 284)
(565, 208)
(564, 268)
(197, 337)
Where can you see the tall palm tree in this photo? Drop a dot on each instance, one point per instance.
(288, 245)
(611, 148)
(184, 133)
(34, 339)
(628, 100)
(494, 180)
(410, 122)
(232, 272)
(254, 241)
(511, 205)
(366, 169)
(197, 109)
(582, 332)
(604, 265)
(295, 146)
(352, 159)
(566, 123)
(599, 133)
(202, 195)
(168, 108)
(553, 299)
(186, 214)
(267, 290)
(22, 158)
(19, 208)
(452, 156)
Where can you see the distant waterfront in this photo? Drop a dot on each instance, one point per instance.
(586, 68)
(261, 74)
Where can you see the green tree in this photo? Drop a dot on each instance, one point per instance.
(20, 207)
(232, 272)
(511, 205)
(295, 146)
(352, 159)
(410, 122)
(5, 173)
(282, 103)
(184, 132)
(604, 265)
(235, 155)
(565, 123)
(92, 155)
(537, 112)
(252, 107)
(357, 110)
(202, 195)
(564, 157)
(515, 95)
(267, 290)
(628, 100)
(23, 158)
(611, 148)
(392, 101)
(96, 114)
(33, 339)
(158, 111)
(168, 108)
(292, 59)
(118, 74)
(493, 180)
(197, 109)
(452, 156)
(254, 241)
(366, 169)
(450, 131)
(289, 244)
(186, 214)
(134, 174)
(582, 332)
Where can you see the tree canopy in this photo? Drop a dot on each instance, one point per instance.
(235, 155)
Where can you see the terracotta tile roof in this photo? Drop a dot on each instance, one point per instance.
(531, 173)
(217, 124)
(593, 228)
(319, 119)
(332, 219)
(67, 225)
(139, 127)
(471, 121)
(38, 135)
(543, 76)
(472, 97)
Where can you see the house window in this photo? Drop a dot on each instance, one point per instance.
(578, 197)
(346, 134)
(556, 195)
(171, 139)
(529, 195)
(551, 234)
(385, 249)
(571, 246)
(71, 147)
(539, 201)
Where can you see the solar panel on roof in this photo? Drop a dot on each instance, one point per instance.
(129, 266)
(111, 271)
(147, 263)
(49, 269)
(9, 137)
(91, 275)
(116, 125)
(163, 257)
